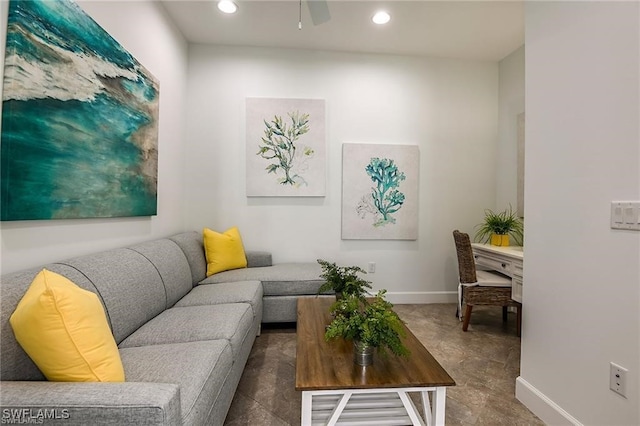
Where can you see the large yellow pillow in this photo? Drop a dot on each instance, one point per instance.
(223, 251)
(64, 330)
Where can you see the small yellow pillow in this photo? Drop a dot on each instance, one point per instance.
(224, 251)
(64, 330)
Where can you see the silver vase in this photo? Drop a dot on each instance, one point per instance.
(362, 353)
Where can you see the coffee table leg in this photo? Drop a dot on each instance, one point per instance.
(306, 409)
(438, 405)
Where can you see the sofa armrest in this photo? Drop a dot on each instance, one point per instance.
(257, 259)
(90, 403)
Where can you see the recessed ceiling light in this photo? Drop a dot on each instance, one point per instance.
(227, 6)
(381, 17)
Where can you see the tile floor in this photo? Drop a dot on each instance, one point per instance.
(484, 362)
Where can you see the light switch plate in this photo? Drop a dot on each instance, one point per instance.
(625, 215)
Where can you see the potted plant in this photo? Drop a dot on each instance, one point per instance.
(343, 280)
(497, 227)
(369, 324)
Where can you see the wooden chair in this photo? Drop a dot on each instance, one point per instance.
(477, 287)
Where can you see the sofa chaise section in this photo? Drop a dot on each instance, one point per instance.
(282, 283)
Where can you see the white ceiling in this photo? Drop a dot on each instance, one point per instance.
(479, 30)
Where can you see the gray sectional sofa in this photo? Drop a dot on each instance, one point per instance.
(183, 338)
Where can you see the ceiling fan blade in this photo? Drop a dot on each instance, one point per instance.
(319, 10)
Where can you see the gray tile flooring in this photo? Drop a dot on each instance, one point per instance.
(484, 362)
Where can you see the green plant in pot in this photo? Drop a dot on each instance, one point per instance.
(343, 280)
(370, 324)
(497, 227)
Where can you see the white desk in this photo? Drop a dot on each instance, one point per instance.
(506, 260)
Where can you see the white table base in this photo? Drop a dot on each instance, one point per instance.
(381, 406)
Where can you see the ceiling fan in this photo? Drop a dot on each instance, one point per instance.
(319, 11)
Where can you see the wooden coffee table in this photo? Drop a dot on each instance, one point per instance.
(335, 390)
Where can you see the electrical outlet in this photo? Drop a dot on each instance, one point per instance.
(372, 267)
(618, 379)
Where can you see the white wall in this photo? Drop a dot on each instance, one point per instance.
(511, 103)
(144, 29)
(449, 108)
(581, 278)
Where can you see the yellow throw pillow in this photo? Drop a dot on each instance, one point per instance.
(224, 251)
(64, 330)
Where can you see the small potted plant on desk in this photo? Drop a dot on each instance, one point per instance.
(343, 280)
(369, 324)
(497, 227)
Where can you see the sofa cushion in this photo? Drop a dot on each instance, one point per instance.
(15, 363)
(257, 258)
(224, 251)
(277, 280)
(216, 294)
(64, 330)
(231, 321)
(193, 248)
(130, 287)
(199, 368)
(172, 265)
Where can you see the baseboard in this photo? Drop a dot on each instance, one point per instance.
(421, 297)
(540, 405)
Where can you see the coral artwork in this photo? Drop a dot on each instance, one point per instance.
(379, 191)
(285, 147)
(384, 199)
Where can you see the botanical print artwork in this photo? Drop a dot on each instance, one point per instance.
(380, 191)
(79, 119)
(280, 150)
(285, 147)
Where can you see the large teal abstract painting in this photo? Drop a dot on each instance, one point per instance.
(79, 119)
